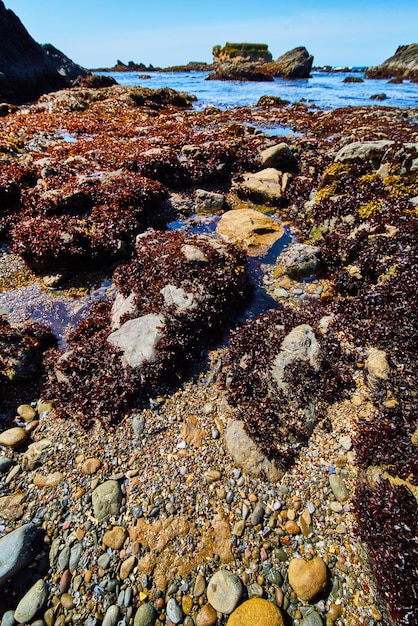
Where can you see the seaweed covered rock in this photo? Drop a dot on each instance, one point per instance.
(92, 217)
(176, 294)
(280, 372)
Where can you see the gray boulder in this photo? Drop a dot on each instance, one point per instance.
(300, 260)
(17, 550)
(296, 63)
(246, 454)
(138, 339)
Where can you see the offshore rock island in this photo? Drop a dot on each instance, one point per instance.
(207, 358)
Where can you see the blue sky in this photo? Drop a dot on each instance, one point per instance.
(96, 33)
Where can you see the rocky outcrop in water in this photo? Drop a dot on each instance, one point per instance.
(28, 69)
(403, 64)
(296, 63)
(241, 53)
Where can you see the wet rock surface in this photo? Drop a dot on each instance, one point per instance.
(136, 515)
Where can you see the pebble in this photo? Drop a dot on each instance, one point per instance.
(112, 616)
(307, 578)
(26, 412)
(8, 619)
(207, 616)
(32, 602)
(224, 591)
(145, 615)
(13, 438)
(258, 515)
(106, 500)
(5, 464)
(91, 466)
(174, 611)
(256, 611)
(212, 476)
(115, 537)
(339, 488)
(17, 550)
(199, 586)
(312, 619)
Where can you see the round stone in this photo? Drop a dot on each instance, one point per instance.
(13, 438)
(91, 466)
(31, 602)
(256, 612)
(174, 612)
(115, 538)
(207, 616)
(145, 615)
(224, 591)
(339, 488)
(26, 412)
(112, 616)
(307, 578)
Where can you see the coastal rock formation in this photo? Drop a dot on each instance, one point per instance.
(241, 61)
(240, 72)
(403, 64)
(28, 69)
(296, 63)
(241, 53)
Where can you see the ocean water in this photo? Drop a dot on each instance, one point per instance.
(325, 90)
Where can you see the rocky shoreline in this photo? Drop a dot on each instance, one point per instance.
(134, 503)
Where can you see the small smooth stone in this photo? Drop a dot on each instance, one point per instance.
(112, 616)
(174, 612)
(103, 560)
(254, 612)
(187, 604)
(13, 438)
(145, 615)
(207, 616)
(212, 476)
(8, 619)
(312, 619)
(26, 412)
(91, 466)
(32, 602)
(224, 591)
(335, 506)
(292, 528)
(255, 590)
(334, 611)
(339, 488)
(279, 595)
(127, 567)
(138, 424)
(5, 464)
(67, 601)
(75, 556)
(65, 581)
(50, 480)
(258, 515)
(307, 578)
(115, 538)
(238, 528)
(275, 577)
(106, 500)
(199, 586)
